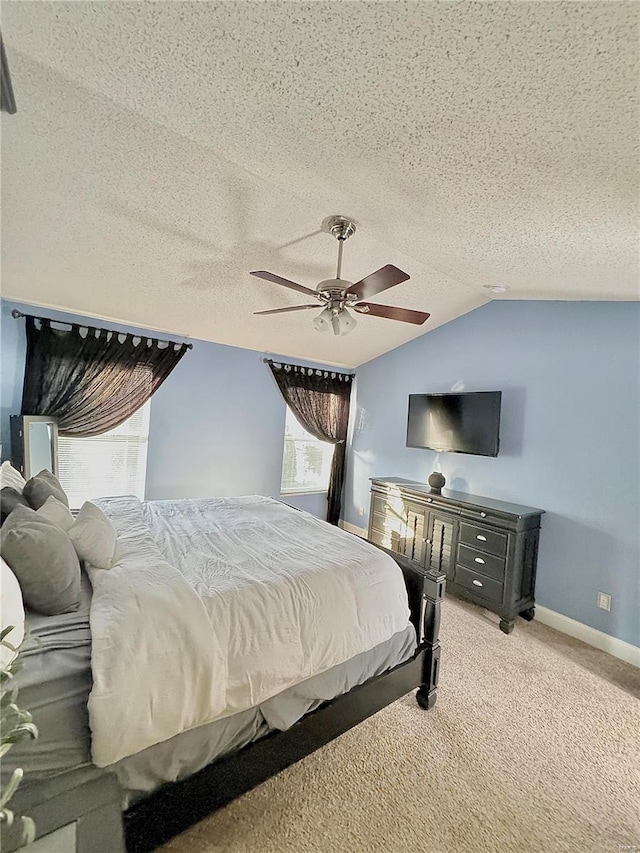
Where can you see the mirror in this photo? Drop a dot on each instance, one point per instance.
(41, 450)
(34, 440)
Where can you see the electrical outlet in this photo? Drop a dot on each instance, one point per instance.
(604, 600)
(360, 510)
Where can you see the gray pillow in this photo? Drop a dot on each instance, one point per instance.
(10, 498)
(44, 561)
(43, 486)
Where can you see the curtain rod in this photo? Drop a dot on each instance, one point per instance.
(17, 314)
(306, 367)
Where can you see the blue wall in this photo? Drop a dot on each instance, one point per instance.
(216, 426)
(570, 438)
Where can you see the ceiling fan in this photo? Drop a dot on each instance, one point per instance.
(337, 294)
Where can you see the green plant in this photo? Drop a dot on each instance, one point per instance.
(15, 725)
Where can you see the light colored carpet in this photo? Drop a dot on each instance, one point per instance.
(533, 745)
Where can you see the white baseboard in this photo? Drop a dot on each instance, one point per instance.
(352, 528)
(612, 645)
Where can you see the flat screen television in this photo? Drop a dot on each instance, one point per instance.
(458, 423)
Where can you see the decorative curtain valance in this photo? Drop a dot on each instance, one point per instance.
(320, 401)
(90, 379)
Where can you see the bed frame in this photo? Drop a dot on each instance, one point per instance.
(100, 826)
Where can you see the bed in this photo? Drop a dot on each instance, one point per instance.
(314, 630)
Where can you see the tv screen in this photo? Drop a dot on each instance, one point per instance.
(459, 423)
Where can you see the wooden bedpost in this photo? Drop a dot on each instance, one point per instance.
(432, 594)
(425, 591)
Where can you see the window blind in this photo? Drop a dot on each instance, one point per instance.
(306, 461)
(114, 463)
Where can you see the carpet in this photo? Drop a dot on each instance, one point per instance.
(533, 745)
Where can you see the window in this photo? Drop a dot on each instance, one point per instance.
(114, 463)
(306, 462)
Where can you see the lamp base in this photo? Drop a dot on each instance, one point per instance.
(436, 481)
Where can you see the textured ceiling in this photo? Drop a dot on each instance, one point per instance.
(162, 150)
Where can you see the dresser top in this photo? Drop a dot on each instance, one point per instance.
(460, 497)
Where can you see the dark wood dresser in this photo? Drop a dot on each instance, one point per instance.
(487, 549)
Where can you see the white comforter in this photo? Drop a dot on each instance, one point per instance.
(213, 606)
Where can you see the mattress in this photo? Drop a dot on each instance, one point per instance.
(55, 681)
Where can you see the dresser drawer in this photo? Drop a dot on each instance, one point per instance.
(480, 561)
(485, 540)
(379, 521)
(379, 538)
(390, 539)
(482, 586)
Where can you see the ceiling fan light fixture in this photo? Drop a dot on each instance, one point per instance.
(323, 321)
(343, 322)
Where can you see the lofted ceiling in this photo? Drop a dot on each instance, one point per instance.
(161, 151)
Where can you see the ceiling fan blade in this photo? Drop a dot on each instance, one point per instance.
(284, 310)
(405, 315)
(379, 280)
(277, 279)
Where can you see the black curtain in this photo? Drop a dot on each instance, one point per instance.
(91, 382)
(320, 401)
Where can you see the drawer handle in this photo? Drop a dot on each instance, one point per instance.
(481, 537)
(483, 515)
(427, 541)
(429, 500)
(478, 583)
(479, 560)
